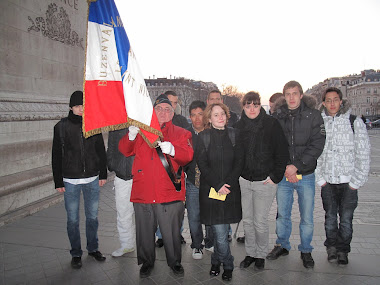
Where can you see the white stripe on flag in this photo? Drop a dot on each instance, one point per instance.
(102, 61)
(137, 101)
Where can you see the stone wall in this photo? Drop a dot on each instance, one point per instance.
(42, 51)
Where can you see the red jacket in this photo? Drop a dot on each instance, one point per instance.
(151, 183)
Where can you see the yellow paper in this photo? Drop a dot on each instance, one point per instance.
(214, 195)
(299, 177)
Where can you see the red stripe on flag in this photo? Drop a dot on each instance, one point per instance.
(155, 125)
(104, 104)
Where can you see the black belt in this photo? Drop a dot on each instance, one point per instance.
(176, 180)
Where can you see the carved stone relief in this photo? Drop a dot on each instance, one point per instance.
(56, 26)
(32, 111)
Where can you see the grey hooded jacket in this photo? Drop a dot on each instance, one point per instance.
(346, 155)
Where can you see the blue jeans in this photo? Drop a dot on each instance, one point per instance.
(209, 237)
(193, 215)
(91, 203)
(339, 199)
(306, 191)
(222, 252)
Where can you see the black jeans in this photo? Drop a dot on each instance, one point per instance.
(339, 199)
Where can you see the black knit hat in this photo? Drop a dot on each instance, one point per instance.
(76, 99)
(162, 99)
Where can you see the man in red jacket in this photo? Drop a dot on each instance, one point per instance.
(154, 196)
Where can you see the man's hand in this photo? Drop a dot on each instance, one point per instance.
(268, 181)
(224, 190)
(133, 131)
(102, 182)
(61, 189)
(290, 171)
(293, 178)
(167, 148)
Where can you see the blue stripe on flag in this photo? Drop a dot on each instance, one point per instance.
(104, 12)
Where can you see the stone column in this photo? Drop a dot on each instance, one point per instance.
(42, 50)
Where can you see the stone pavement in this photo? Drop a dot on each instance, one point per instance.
(35, 249)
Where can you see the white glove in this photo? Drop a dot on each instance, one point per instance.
(133, 131)
(167, 148)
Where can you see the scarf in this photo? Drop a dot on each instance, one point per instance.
(250, 129)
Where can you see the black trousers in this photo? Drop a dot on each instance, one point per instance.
(169, 218)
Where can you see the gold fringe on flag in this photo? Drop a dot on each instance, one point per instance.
(130, 122)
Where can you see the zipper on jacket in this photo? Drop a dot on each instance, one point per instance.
(333, 150)
(292, 129)
(82, 150)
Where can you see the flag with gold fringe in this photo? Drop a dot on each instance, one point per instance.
(115, 94)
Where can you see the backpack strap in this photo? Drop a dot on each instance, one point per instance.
(352, 120)
(232, 135)
(206, 137)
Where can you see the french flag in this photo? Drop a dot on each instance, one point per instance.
(115, 94)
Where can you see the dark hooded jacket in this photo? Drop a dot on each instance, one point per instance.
(219, 164)
(264, 146)
(180, 121)
(116, 161)
(82, 158)
(305, 132)
(190, 168)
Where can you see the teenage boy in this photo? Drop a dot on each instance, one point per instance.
(342, 169)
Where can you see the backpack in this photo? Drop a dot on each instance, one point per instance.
(352, 120)
(231, 133)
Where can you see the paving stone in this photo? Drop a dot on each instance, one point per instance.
(366, 251)
(30, 261)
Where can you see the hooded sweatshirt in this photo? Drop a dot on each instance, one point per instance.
(346, 155)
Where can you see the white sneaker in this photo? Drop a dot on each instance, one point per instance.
(197, 253)
(211, 249)
(121, 251)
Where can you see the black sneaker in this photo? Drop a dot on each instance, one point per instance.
(307, 259)
(276, 252)
(342, 258)
(227, 275)
(97, 255)
(183, 240)
(260, 263)
(177, 268)
(331, 254)
(215, 269)
(159, 242)
(145, 270)
(248, 260)
(76, 262)
(241, 239)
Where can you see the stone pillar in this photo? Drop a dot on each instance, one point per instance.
(42, 50)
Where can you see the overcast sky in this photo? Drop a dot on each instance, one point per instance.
(254, 45)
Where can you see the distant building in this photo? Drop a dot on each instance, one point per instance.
(188, 90)
(364, 96)
(362, 90)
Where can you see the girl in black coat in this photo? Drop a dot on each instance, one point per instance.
(265, 153)
(220, 169)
